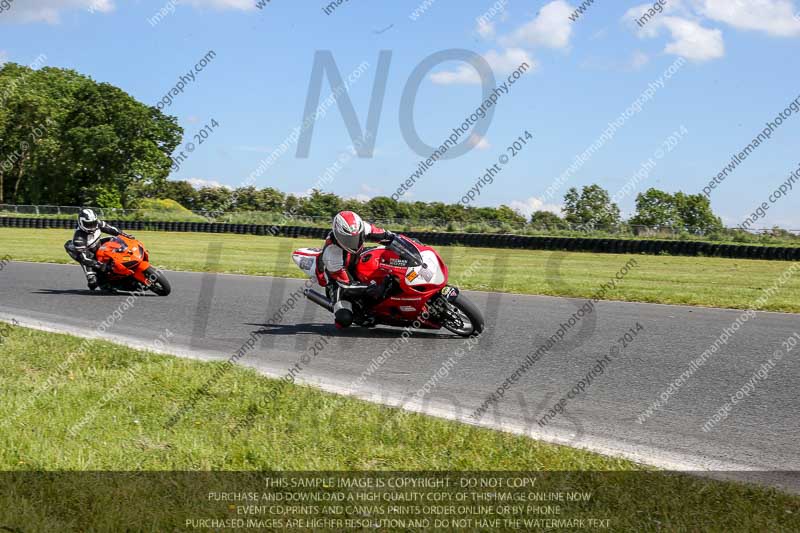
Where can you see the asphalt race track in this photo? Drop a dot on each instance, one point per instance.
(211, 316)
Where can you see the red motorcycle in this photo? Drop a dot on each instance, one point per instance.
(416, 289)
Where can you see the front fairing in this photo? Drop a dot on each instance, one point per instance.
(129, 257)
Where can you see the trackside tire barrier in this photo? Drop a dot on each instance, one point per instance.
(481, 240)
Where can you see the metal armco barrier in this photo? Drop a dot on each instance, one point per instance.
(481, 240)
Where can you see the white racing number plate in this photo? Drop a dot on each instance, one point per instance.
(426, 274)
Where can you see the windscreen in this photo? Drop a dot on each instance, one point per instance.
(122, 244)
(406, 250)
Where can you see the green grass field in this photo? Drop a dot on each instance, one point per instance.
(700, 281)
(123, 428)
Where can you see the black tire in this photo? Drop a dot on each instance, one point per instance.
(465, 305)
(158, 283)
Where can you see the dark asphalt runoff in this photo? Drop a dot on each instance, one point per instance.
(211, 316)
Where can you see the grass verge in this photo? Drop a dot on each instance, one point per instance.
(700, 281)
(122, 428)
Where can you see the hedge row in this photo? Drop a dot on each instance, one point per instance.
(616, 246)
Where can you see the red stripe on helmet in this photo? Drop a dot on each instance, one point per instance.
(350, 218)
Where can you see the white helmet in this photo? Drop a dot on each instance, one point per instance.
(87, 220)
(349, 231)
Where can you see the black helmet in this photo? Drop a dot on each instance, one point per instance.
(87, 220)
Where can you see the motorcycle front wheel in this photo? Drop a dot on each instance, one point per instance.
(158, 282)
(464, 318)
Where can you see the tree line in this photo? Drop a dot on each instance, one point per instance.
(586, 209)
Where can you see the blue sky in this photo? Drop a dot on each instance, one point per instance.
(740, 72)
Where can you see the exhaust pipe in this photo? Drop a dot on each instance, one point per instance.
(319, 299)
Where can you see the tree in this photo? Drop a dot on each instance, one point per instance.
(214, 199)
(437, 211)
(381, 207)
(591, 207)
(102, 196)
(182, 192)
(547, 220)
(688, 212)
(67, 139)
(321, 204)
(292, 205)
(507, 215)
(457, 213)
(404, 210)
(270, 199)
(246, 199)
(420, 211)
(656, 209)
(696, 214)
(352, 204)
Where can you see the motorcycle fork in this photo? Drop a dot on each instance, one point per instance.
(439, 308)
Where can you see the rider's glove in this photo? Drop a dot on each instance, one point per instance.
(388, 236)
(126, 235)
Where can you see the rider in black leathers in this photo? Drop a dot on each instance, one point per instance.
(85, 242)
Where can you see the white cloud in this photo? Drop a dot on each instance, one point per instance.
(650, 27)
(101, 6)
(50, 11)
(367, 193)
(462, 75)
(527, 207)
(693, 41)
(551, 28)
(199, 183)
(478, 142)
(775, 17)
(503, 62)
(486, 25)
(486, 29)
(508, 60)
(241, 5)
(639, 60)
(369, 189)
(690, 39)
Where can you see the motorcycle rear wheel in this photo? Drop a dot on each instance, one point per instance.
(158, 282)
(474, 323)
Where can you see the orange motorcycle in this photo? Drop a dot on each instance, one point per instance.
(130, 267)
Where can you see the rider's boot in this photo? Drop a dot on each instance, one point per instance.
(91, 280)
